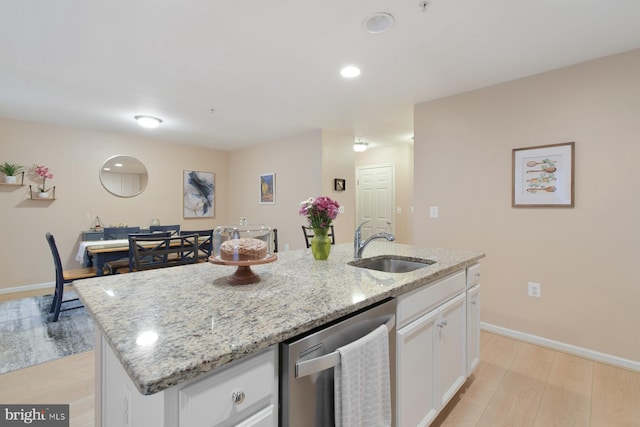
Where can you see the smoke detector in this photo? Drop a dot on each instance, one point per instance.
(378, 22)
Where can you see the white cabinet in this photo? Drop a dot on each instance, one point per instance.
(473, 328)
(430, 349)
(473, 318)
(233, 395)
(451, 344)
(416, 402)
(242, 393)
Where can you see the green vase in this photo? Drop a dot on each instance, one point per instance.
(320, 243)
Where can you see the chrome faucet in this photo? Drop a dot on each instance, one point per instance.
(359, 245)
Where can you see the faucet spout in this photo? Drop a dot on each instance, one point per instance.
(359, 245)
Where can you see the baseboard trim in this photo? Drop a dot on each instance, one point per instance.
(560, 346)
(37, 286)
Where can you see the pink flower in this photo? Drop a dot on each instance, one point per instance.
(320, 211)
(44, 173)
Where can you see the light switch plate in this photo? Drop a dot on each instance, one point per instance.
(433, 212)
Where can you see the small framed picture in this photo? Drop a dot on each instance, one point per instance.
(339, 184)
(543, 176)
(268, 189)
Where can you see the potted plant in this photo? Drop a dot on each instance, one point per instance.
(43, 172)
(10, 170)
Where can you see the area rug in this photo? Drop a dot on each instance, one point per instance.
(28, 337)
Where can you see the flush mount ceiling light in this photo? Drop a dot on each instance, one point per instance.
(148, 122)
(378, 22)
(350, 72)
(360, 146)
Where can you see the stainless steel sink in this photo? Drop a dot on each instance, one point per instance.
(392, 263)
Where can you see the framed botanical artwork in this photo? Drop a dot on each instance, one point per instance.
(268, 189)
(339, 184)
(197, 194)
(543, 176)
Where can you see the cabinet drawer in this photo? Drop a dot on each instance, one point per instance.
(422, 300)
(211, 401)
(473, 275)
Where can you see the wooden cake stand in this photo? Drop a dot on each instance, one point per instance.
(243, 274)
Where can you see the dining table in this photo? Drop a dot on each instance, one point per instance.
(97, 253)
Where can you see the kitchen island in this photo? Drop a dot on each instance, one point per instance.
(169, 326)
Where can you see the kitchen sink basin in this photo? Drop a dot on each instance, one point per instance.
(392, 263)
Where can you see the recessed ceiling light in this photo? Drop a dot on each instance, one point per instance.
(378, 22)
(149, 122)
(350, 72)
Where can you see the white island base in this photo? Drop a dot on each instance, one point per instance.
(243, 393)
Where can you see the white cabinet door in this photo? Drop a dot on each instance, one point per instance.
(415, 347)
(451, 347)
(473, 328)
(233, 395)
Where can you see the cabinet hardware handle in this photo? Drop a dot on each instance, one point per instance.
(477, 275)
(442, 324)
(237, 397)
(473, 302)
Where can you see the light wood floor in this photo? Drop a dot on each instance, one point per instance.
(67, 380)
(520, 384)
(515, 384)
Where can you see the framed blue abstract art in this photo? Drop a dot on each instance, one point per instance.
(198, 192)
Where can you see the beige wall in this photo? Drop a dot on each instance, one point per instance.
(401, 156)
(305, 166)
(74, 157)
(297, 164)
(337, 162)
(586, 258)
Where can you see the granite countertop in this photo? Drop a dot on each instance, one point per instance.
(170, 325)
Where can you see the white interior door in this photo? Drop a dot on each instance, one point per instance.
(375, 199)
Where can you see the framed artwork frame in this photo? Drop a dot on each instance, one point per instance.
(543, 176)
(268, 189)
(198, 193)
(339, 184)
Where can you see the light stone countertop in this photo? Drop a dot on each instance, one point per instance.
(201, 322)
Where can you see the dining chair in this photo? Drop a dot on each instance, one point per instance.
(205, 243)
(173, 229)
(152, 252)
(308, 234)
(114, 233)
(275, 239)
(62, 277)
(118, 265)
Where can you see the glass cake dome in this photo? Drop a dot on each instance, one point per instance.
(244, 230)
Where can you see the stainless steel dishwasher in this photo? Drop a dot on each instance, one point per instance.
(306, 365)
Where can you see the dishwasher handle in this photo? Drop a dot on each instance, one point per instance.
(327, 361)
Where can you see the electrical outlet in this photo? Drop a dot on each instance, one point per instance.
(535, 289)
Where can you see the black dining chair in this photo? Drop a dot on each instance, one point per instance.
(275, 239)
(173, 229)
(205, 242)
(151, 252)
(118, 265)
(63, 277)
(308, 234)
(115, 233)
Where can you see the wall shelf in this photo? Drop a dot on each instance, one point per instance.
(20, 184)
(51, 193)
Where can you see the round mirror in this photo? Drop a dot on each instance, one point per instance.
(123, 176)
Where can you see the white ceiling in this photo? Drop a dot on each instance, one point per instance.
(270, 69)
